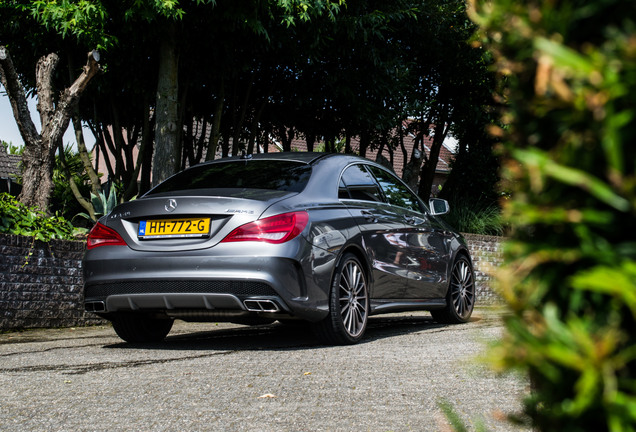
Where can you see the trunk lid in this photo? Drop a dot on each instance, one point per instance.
(188, 221)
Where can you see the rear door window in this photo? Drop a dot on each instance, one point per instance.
(360, 184)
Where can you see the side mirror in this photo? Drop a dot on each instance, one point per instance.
(438, 206)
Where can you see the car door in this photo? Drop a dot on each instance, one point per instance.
(381, 227)
(429, 254)
(426, 244)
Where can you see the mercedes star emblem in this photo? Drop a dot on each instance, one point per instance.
(171, 205)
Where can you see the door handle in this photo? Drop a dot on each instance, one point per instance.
(414, 220)
(369, 216)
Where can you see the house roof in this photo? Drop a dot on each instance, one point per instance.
(8, 164)
(446, 154)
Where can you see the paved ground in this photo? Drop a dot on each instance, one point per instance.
(223, 377)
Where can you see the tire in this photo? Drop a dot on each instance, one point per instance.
(348, 305)
(460, 299)
(133, 327)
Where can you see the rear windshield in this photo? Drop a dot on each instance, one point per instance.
(287, 176)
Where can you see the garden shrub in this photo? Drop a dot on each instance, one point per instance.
(475, 218)
(569, 149)
(15, 218)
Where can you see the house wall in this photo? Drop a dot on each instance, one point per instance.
(41, 283)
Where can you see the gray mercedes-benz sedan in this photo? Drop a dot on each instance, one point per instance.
(329, 239)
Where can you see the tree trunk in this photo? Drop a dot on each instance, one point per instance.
(430, 166)
(238, 124)
(18, 100)
(311, 140)
(117, 145)
(146, 150)
(411, 172)
(39, 149)
(165, 159)
(286, 137)
(215, 135)
(180, 160)
(255, 122)
(104, 143)
(225, 144)
(347, 149)
(85, 157)
(365, 139)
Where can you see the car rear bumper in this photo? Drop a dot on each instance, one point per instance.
(183, 295)
(191, 285)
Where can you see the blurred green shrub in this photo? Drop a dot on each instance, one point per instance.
(568, 70)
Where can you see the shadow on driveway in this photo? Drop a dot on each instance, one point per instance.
(289, 336)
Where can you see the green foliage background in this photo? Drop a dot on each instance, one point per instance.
(17, 219)
(569, 279)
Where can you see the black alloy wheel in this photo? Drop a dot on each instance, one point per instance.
(348, 305)
(460, 299)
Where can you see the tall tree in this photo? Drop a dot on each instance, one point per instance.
(165, 158)
(242, 74)
(55, 115)
(441, 73)
(35, 32)
(168, 127)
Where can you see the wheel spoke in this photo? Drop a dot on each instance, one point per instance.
(348, 320)
(462, 289)
(353, 299)
(345, 281)
(353, 276)
(345, 307)
(359, 316)
(463, 271)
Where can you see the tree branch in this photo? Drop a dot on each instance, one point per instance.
(17, 97)
(44, 84)
(71, 95)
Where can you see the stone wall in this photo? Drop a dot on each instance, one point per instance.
(41, 283)
(487, 254)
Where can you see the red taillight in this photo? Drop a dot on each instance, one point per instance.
(275, 229)
(101, 235)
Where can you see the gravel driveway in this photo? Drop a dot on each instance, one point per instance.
(224, 377)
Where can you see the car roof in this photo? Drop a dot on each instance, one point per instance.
(303, 157)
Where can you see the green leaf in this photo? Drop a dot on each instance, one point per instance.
(564, 56)
(572, 176)
(618, 282)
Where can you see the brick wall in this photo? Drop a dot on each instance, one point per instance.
(41, 283)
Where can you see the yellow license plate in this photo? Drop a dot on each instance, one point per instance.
(174, 228)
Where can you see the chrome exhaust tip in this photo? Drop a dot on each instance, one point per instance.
(95, 306)
(261, 305)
